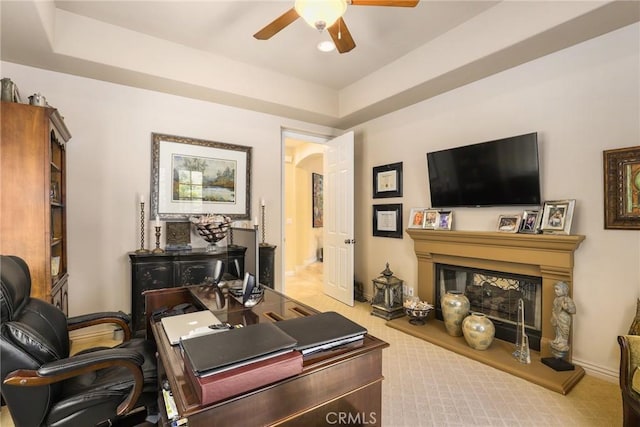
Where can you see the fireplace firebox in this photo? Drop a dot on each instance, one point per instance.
(496, 294)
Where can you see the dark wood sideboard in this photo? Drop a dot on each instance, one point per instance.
(335, 385)
(177, 268)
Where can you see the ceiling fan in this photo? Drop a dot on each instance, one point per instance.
(326, 14)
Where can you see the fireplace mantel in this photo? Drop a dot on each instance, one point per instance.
(550, 257)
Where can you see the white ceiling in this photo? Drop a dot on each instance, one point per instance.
(205, 49)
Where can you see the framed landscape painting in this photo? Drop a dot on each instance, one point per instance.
(197, 177)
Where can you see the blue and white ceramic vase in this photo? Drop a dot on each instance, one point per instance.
(455, 307)
(478, 331)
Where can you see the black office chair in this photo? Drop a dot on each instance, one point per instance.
(43, 385)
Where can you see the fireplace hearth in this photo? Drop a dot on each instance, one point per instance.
(527, 257)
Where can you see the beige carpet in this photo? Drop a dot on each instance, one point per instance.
(426, 385)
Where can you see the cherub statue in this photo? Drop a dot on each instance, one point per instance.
(563, 309)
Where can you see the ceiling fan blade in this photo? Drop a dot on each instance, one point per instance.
(341, 36)
(392, 3)
(277, 24)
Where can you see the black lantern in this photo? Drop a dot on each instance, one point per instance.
(387, 299)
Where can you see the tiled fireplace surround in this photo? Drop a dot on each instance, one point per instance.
(550, 257)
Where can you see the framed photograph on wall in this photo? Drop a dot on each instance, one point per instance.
(387, 220)
(509, 223)
(416, 218)
(445, 220)
(622, 188)
(530, 222)
(196, 177)
(557, 216)
(317, 200)
(387, 181)
(431, 217)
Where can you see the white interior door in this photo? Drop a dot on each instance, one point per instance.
(338, 235)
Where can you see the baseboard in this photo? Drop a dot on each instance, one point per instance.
(596, 371)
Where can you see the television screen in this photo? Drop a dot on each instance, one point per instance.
(504, 172)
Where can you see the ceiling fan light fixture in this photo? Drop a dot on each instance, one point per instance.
(326, 46)
(320, 14)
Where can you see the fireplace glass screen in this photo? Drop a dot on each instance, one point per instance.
(496, 294)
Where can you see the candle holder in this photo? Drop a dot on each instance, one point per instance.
(158, 249)
(142, 250)
(264, 228)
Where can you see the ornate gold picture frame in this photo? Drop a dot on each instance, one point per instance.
(622, 188)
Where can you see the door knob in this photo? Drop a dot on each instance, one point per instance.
(349, 241)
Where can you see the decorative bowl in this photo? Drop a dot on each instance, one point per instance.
(417, 316)
(212, 228)
(417, 310)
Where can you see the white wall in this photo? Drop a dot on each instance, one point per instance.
(109, 164)
(581, 101)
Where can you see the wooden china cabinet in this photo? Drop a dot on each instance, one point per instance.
(33, 196)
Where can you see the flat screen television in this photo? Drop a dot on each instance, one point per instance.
(504, 172)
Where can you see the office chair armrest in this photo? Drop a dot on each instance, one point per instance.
(63, 369)
(118, 318)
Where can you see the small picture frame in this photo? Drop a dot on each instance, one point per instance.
(387, 181)
(431, 217)
(509, 223)
(177, 235)
(387, 220)
(445, 220)
(557, 216)
(416, 218)
(530, 222)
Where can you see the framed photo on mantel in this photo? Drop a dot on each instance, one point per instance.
(557, 216)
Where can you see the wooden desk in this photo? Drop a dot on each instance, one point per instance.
(343, 383)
